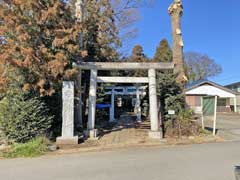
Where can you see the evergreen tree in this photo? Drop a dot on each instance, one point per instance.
(99, 31)
(23, 118)
(169, 92)
(138, 56)
(163, 52)
(41, 41)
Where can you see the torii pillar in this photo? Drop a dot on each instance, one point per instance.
(175, 10)
(155, 132)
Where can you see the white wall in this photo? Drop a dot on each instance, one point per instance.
(210, 90)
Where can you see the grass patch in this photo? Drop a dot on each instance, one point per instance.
(205, 132)
(33, 148)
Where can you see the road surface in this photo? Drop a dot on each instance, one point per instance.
(228, 126)
(191, 162)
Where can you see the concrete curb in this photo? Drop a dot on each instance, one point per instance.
(159, 144)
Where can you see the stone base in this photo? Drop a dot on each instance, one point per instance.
(91, 134)
(112, 120)
(155, 134)
(67, 140)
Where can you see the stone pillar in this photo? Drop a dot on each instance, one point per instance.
(138, 103)
(155, 132)
(175, 11)
(112, 108)
(67, 115)
(92, 132)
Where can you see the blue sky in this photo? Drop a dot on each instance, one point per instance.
(209, 26)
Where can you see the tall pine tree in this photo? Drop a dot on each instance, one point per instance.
(138, 56)
(99, 31)
(168, 90)
(163, 52)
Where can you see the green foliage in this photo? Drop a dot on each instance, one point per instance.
(169, 92)
(171, 96)
(33, 148)
(185, 114)
(101, 94)
(163, 52)
(102, 115)
(174, 102)
(138, 56)
(22, 119)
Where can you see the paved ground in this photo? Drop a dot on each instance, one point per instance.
(193, 162)
(228, 126)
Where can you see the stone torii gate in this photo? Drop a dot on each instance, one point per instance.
(125, 90)
(175, 11)
(68, 106)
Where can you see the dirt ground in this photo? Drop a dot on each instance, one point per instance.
(127, 133)
(124, 132)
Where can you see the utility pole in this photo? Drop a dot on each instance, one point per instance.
(80, 16)
(175, 10)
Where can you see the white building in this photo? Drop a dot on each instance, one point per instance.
(235, 87)
(195, 93)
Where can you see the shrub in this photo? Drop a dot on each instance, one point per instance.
(33, 148)
(169, 93)
(23, 119)
(174, 102)
(184, 125)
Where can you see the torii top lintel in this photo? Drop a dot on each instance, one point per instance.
(124, 66)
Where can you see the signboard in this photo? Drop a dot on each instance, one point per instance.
(209, 110)
(171, 112)
(208, 105)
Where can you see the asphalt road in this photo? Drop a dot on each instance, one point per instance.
(192, 162)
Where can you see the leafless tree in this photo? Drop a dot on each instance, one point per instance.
(127, 13)
(200, 66)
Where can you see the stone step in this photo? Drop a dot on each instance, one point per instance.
(143, 125)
